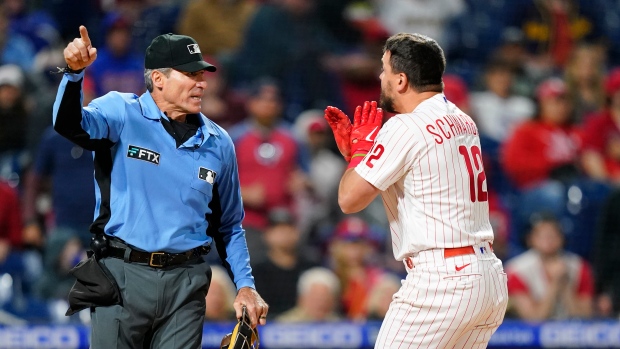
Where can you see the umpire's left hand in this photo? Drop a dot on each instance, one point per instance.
(256, 306)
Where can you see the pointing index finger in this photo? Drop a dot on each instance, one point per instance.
(84, 36)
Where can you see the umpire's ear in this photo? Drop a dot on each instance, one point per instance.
(158, 78)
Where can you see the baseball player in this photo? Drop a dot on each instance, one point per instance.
(427, 165)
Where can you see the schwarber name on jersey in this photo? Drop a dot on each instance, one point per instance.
(428, 165)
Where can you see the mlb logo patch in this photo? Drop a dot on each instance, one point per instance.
(207, 175)
(193, 48)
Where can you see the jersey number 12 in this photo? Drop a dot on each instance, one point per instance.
(475, 181)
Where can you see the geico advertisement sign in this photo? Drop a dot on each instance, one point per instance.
(578, 335)
(44, 337)
(316, 336)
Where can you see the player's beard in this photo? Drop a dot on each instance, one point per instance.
(386, 102)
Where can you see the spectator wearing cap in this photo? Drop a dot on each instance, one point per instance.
(118, 67)
(546, 147)
(540, 159)
(601, 136)
(352, 250)
(317, 301)
(14, 118)
(277, 274)
(546, 282)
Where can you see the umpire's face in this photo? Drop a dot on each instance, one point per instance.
(182, 91)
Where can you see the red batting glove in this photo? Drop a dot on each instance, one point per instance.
(341, 126)
(367, 122)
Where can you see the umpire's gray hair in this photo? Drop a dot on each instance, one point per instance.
(318, 275)
(147, 76)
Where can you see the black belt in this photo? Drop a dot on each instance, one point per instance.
(157, 259)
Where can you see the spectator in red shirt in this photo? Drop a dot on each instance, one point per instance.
(547, 282)
(272, 169)
(601, 136)
(546, 147)
(539, 158)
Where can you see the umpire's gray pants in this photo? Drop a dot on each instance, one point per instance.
(162, 308)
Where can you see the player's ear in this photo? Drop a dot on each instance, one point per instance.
(402, 82)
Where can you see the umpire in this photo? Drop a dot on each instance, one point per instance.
(165, 175)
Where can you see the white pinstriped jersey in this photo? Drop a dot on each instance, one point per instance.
(428, 165)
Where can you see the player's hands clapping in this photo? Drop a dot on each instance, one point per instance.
(357, 138)
(80, 53)
(341, 126)
(367, 122)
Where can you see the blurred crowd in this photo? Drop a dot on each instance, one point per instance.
(540, 77)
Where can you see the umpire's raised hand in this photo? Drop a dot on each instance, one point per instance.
(80, 53)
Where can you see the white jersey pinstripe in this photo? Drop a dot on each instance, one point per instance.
(429, 167)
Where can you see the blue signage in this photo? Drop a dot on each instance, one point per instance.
(342, 335)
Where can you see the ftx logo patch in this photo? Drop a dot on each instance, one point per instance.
(193, 48)
(207, 175)
(143, 154)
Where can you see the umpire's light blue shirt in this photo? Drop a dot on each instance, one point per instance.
(159, 194)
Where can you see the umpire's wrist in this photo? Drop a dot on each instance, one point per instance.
(68, 70)
(246, 282)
